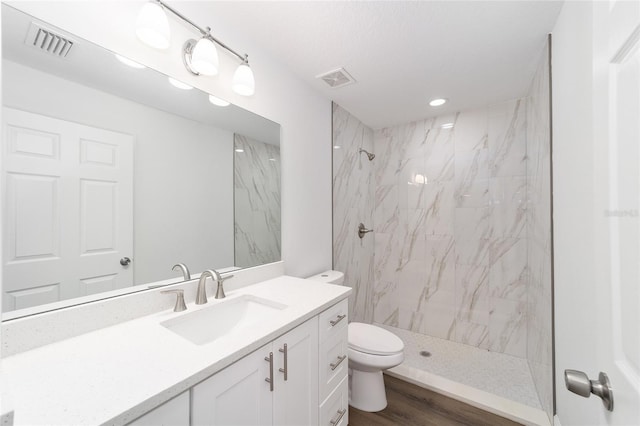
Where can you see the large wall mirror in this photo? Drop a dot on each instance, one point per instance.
(112, 174)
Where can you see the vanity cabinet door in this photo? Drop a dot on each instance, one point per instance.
(172, 413)
(237, 395)
(295, 400)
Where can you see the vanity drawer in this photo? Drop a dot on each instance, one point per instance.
(333, 320)
(334, 362)
(336, 406)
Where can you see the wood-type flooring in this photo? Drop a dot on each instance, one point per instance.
(411, 405)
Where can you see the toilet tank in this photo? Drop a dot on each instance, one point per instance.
(329, 277)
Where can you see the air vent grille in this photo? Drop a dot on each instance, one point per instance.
(48, 41)
(337, 78)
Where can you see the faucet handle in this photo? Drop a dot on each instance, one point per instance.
(220, 290)
(180, 305)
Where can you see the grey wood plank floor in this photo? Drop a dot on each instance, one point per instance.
(412, 405)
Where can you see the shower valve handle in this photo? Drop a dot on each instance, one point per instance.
(362, 230)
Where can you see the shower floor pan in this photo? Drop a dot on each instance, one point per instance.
(495, 382)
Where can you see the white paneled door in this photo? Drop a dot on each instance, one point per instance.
(67, 192)
(617, 25)
(610, 327)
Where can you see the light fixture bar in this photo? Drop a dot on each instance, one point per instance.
(205, 32)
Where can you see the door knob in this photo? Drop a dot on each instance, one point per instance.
(125, 261)
(579, 383)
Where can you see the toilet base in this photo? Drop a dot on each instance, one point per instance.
(366, 390)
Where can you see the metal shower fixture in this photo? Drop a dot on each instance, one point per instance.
(369, 155)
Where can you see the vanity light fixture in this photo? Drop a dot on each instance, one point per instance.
(152, 26)
(179, 84)
(437, 102)
(129, 62)
(218, 102)
(199, 57)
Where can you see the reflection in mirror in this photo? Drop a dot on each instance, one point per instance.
(111, 175)
(257, 201)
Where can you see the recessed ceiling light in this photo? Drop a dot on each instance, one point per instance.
(447, 126)
(129, 62)
(239, 150)
(179, 84)
(272, 159)
(437, 102)
(218, 102)
(336, 147)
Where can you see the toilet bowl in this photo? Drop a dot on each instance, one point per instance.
(371, 351)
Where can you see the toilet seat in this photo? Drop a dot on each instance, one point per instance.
(372, 340)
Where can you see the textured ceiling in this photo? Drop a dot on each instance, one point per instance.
(402, 54)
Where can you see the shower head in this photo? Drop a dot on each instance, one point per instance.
(369, 155)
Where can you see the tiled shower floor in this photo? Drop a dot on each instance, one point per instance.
(503, 375)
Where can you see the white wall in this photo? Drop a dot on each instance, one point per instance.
(305, 116)
(182, 157)
(573, 202)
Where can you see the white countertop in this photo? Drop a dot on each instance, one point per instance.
(116, 374)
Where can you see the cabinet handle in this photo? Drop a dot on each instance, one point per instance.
(269, 379)
(285, 369)
(340, 318)
(335, 365)
(340, 415)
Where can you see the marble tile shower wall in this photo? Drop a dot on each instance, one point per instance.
(450, 221)
(539, 289)
(257, 202)
(353, 204)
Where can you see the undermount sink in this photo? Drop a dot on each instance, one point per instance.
(222, 318)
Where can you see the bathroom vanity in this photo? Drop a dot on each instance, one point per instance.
(269, 353)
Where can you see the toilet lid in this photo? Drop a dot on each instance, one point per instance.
(373, 340)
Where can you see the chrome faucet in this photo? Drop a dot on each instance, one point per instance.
(185, 271)
(201, 295)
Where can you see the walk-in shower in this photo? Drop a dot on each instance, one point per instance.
(458, 266)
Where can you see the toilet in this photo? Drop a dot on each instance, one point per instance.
(371, 350)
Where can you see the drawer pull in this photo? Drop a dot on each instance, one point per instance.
(335, 321)
(284, 370)
(335, 365)
(341, 414)
(269, 379)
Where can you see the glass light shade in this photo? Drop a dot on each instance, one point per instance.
(179, 84)
(129, 62)
(152, 27)
(243, 82)
(217, 101)
(204, 57)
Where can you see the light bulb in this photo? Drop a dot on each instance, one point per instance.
(204, 58)
(179, 84)
(152, 27)
(243, 82)
(218, 102)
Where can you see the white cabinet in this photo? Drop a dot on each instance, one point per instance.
(240, 395)
(237, 395)
(295, 397)
(172, 413)
(334, 365)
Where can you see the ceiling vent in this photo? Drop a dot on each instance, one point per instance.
(48, 41)
(337, 78)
